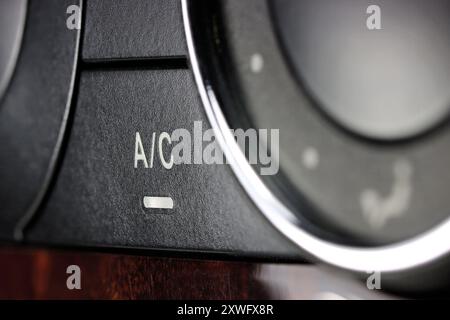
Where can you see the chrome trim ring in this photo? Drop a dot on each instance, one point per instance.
(415, 252)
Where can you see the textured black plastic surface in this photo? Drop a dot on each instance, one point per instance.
(97, 199)
(33, 109)
(115, 29)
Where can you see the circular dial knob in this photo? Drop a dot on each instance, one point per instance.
(351, 190)
(12, 22)
(382, 71)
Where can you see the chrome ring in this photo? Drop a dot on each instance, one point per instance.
(401, 256)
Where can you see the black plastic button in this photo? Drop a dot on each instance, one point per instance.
(118, 29)
(105, 195)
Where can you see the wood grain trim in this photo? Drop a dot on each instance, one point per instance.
(30, 273)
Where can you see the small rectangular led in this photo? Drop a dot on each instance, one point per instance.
(158, 203)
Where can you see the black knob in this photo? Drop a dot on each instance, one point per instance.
(380, 69)
(12, 22)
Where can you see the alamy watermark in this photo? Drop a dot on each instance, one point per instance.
(373, 281)
(181, 147)
(73, 281)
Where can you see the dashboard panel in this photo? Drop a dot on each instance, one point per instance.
(302, 138)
